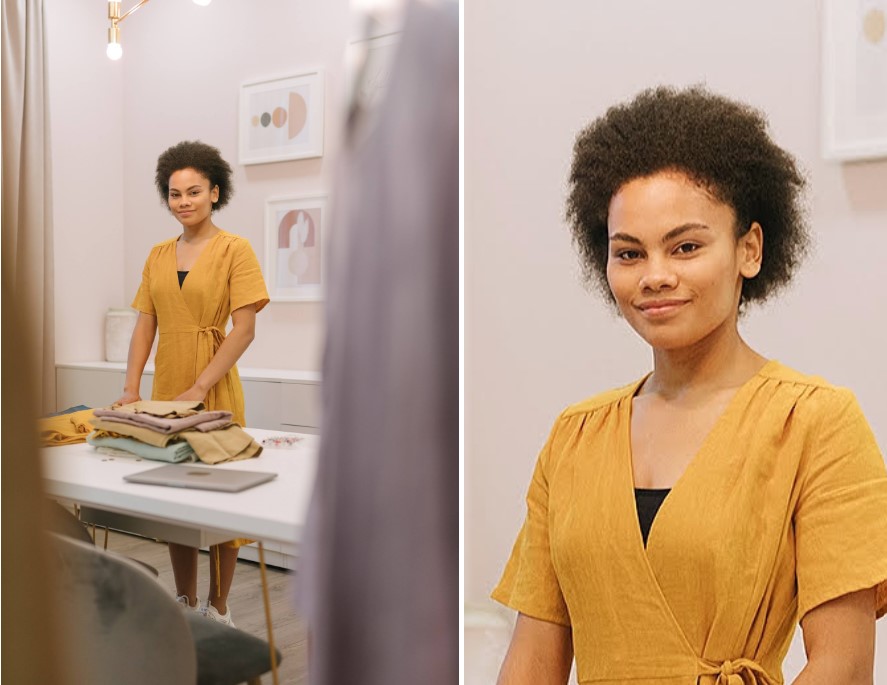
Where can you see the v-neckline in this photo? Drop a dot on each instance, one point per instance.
(638, 540)
(693, 465)
(175, 254)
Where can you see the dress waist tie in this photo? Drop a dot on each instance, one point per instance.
(209, 339)
(734, 672)
(208, 343)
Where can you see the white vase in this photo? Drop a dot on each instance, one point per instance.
(119, 324)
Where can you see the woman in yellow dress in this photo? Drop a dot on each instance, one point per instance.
(191, 284)
(678, 528)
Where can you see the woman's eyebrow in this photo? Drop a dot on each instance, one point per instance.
(191, 188)
(671, 235)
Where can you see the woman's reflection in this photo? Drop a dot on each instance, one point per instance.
(190, 285)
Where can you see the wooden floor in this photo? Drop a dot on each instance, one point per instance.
(245, 600)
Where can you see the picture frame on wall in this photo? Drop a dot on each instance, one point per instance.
(854, 80)
(295, 248)
(281, 118)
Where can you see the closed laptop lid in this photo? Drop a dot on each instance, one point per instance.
(201, 477)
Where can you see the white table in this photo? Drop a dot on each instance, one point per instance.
(272, 512)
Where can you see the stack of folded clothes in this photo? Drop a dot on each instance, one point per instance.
(172, 431)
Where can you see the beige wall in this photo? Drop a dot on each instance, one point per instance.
(179, 79)
(534, 340)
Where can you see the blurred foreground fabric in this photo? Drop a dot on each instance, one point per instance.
(380, 582)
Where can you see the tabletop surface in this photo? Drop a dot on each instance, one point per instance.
(272, 511)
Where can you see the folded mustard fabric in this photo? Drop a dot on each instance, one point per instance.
(67, 429)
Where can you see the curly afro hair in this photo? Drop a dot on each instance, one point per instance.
(201, 157)
(718, 143)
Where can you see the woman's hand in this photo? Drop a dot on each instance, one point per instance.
(192, 393)
(128, 398)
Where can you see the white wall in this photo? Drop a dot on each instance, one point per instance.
(179, 79)
(86, 119)
(535, 341)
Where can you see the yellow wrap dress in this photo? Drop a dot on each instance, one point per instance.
(783, 508)
(191, 320)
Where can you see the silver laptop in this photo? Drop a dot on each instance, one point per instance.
(201, 477)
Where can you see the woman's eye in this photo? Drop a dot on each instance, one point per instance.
(627, 255)
(687, 248)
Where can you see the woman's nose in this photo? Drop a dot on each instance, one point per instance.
(658, 275)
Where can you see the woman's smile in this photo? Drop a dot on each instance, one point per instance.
(661, 309)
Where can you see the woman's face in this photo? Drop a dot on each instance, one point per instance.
(675, 266)
(190, 196)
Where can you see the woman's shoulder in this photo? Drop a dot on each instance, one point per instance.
(809, 387)
(164, 245)
(232, 240)
(602, 400)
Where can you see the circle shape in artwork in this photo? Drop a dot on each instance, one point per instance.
(874, 25)
(298, 114)
(266, 119)
(278, 117)
(298, 263)
(255, 120)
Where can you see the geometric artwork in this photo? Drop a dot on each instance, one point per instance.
(295, 253)
(281, 118)
(854, 79)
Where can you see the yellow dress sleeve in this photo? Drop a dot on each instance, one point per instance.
(529, 583)
(841, 517)
(143, 301)
(247, 286)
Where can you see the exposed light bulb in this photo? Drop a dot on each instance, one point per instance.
(202, 3)
(114, 51)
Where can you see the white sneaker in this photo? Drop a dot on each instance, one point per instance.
(183, 600)
(213, 614)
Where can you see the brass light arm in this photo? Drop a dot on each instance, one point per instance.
(114, 11)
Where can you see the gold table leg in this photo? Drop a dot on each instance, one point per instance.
(268, 614)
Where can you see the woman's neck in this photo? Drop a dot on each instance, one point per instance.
(719, 361)
(199, 233)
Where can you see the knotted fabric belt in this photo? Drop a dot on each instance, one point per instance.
(735, 672)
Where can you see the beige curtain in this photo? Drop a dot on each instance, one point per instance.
(30, 641)
(27, 207)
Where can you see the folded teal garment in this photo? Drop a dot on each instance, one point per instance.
(174, 451)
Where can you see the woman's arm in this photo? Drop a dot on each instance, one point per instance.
(540, 653)
(839, 638)
(234, 345)
(139, 349)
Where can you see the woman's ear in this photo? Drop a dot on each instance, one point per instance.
(214, 194)
(751, 251)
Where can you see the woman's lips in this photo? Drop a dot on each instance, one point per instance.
(660, 308)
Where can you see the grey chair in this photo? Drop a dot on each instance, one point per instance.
(61, 520)
(121, 626)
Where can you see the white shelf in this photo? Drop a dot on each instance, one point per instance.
(246, 373)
